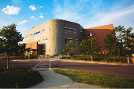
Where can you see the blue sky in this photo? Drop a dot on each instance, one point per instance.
(28, 13)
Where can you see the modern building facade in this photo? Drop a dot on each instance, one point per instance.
(52, 36)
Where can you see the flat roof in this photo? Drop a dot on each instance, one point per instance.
(107, 27)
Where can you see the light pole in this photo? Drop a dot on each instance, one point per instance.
(91, 46)
(90, 35)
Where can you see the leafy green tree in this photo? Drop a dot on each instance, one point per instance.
(129, 41)
(2, 44)
(9, 38)
(88, 46)
(111, 43)
(71, 47)
(120, 38)
(121, 41)
(124, 38)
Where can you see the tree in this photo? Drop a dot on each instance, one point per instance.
(9, 38)
(121, 41)
(88, 46)
(2, 46)
(111, 43)
(129, 41)
(71, 47)
(125, 40)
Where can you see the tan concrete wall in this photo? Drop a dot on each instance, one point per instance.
(30, 37)
(55, 36)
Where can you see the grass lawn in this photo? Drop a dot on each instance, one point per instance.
(19, 78)
(97, 78)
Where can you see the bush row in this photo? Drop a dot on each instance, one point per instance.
(97, 58)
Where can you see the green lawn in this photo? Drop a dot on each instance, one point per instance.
(97, 78)
(19, 78)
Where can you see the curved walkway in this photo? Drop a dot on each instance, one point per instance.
(54, 80)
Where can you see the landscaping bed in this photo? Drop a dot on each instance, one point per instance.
(97, 78)
(20, 78)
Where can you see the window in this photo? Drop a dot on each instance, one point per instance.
(91, 34)
(68, 28)
(67, 40)
(36, 33)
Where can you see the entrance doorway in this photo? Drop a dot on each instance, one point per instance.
(41, 50)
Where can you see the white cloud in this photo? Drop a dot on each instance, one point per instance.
(115, 17)
(93, 14)
(36, 17)
(11, 10)
(41, 16)
(22, 22)
(75, 12)
(32, 17)
(32, 8)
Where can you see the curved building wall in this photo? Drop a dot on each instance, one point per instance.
(55, 36)
(57, 33)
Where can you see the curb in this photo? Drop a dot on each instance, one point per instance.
(93, 62)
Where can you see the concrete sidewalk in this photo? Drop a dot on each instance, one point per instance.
(53, 80)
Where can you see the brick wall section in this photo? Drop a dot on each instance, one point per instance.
(100, 33)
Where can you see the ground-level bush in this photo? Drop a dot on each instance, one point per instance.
(106, 58)
(19, 78)
(103, 58)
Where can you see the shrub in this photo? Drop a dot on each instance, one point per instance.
(19, 78)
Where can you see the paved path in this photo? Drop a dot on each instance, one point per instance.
(54, 80)
(58, 81)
